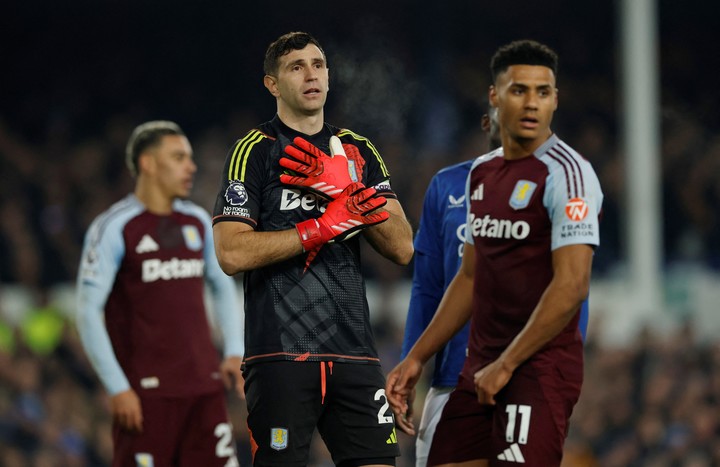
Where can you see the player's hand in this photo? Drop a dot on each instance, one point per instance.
(490, 380)
(326, 175)
(231, 373)
(400, 392)
(353, 210)
(126, 410)
(406, 422)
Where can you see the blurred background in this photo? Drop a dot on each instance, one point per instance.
(412, 76)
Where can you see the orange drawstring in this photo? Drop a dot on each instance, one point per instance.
(322, 381)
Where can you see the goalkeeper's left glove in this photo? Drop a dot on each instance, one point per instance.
(345, 216)
(325, 175)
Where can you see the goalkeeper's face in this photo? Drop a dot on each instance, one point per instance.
(301, 84)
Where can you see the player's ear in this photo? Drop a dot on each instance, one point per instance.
(270, 83)
(492, 96)
(485, 122)
(146, 163)
(557, 94)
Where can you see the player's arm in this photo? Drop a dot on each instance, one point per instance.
(237, 245)
(452, 314)
(557, 306)
(427, 286)
(428, 269)
(96, 341)
(427, 291)
(240, 248)
(229, 316)
(559, 303)
(393, 239)
(98, 267)
(425, 296)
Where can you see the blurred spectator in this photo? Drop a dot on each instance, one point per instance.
(653, 404)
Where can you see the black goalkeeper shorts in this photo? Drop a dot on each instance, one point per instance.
(345, 401)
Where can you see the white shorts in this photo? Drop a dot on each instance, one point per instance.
(434, 403)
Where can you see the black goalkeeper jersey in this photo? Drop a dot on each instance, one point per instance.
(318, 314)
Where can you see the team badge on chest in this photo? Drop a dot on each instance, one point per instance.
(522, 194)
(192, 237)
(278, 438)
(143, 459)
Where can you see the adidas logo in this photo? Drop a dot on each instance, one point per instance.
(393, 438)
(477, 195)
(146, 245)
(512, 454)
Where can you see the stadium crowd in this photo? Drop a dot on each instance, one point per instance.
(655, 403)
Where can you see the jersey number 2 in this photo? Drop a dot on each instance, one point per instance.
(382, 418)
(223, 448)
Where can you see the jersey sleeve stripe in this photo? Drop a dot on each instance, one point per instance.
(565, 170)
(384, 169)
(571, 173)
(246, 157)
(233, 159)
(569, 154)
(236, 169)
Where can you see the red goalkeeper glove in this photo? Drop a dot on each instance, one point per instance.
(326, 175)
(352, 211)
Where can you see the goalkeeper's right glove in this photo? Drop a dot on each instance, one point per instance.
(326, 175)
(352, 211)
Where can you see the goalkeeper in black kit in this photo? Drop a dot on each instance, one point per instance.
(295, 192)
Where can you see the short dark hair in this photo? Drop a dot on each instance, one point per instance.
(296, 40)
(146, 136)
(523, 52)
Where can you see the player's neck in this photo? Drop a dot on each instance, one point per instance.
(307, 124)
(518, 148)
(153, 198)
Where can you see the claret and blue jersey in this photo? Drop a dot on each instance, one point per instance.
(519, 212)
(438, 252)
(141, 314)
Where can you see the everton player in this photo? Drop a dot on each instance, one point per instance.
(141, 313)
(532, 226)
(439, 245)
(285, 216)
